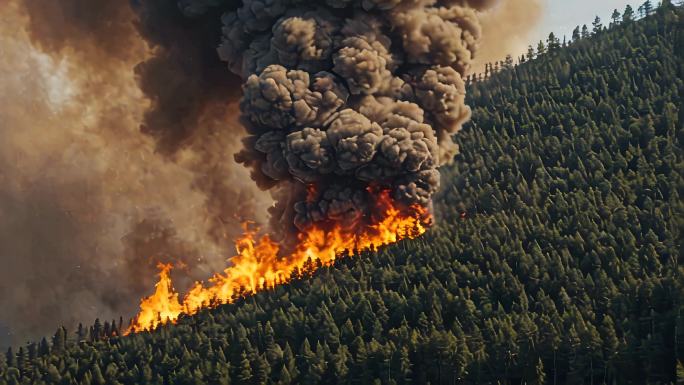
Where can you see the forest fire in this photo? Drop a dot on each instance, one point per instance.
(349, 110)
(258, 265)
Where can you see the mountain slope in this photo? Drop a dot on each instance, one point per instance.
(554, 261)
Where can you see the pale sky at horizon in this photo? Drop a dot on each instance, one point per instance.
(557, 16)
(561, 16)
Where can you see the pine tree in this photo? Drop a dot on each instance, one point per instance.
(585, 31)
(53, 374)
(628, 14)
(59, 340)
(680, 372)
(312, 369)
(553, 43)
(273, 352)
(576, 34)
(244, 373)
(598, 27)
(262, 370)
(541, 48)
(96, 330)
(290, 362)
(98, 379)
(339, 363)
(648, 7)
(11, 358)
(615, 17)
(539, 374)
(508, 62)
(81, 333)
(44, 347)
(361, 372)
(463, 358)
(285, 378)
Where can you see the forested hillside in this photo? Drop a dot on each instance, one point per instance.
(554, 260)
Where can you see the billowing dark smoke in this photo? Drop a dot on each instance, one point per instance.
(348, 96)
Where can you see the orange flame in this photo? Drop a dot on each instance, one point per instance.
(161, 306)
(257, 264)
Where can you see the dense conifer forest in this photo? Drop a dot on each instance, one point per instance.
(555, 259)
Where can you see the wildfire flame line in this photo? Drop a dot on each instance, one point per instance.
(257, 264)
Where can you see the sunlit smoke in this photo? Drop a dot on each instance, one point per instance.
(507, 29)
(88, 203)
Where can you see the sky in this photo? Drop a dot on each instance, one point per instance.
(561, 16)
(515, 24)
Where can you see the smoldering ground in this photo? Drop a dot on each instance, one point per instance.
(118, 125)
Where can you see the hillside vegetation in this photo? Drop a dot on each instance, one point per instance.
(555, 258)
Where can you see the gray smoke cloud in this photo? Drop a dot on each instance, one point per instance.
(350, 97)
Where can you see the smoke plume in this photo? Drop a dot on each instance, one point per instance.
(348, 97)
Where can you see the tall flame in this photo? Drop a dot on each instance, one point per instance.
(258, 265)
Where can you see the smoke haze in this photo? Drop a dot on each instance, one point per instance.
(507, 29)
(88, 204)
